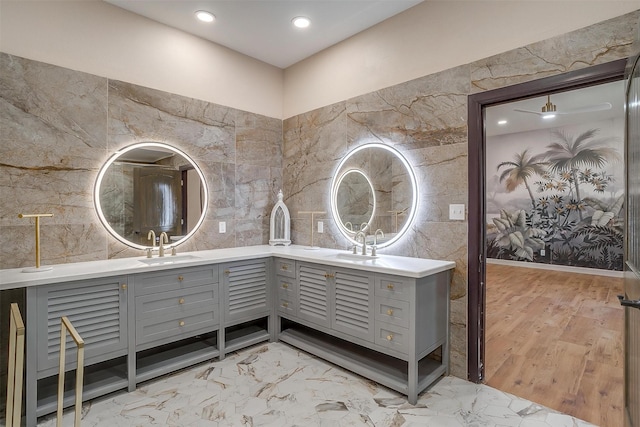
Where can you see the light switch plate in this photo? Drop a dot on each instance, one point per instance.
(222, 227)
(320, 227)
(456, 212)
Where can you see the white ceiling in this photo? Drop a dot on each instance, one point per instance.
(262, 29)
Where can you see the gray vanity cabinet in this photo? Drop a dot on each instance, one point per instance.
(176, 304)
(391, 329)
(337, 298)
(246, 290)
(314, 294)
(98, 311)
(97, 308)
(286, 287)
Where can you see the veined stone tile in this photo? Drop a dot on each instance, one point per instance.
(596, 44)
(253, 192)
(258, 140)
(428, 111)
(203, 130)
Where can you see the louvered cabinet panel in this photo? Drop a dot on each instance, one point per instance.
(96, 308)
(246, 291)
(353, 299)
(313, 294)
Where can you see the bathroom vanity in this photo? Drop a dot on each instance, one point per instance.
(385, 318)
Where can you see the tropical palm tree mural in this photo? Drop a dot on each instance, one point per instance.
(573, 221)
(521, 169)
(568, 155)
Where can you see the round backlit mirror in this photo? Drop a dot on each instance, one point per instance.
(150, 186)
(374, 188)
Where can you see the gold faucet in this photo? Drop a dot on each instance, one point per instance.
(163, 238)
(375, 241)
(364, 241)
(151, 235)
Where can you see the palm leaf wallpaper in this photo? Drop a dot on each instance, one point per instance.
(555, 196)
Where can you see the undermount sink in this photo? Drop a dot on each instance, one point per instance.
(354, 257)
(168, 259)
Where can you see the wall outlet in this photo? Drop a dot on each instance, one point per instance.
(222, 227)
(456, 212)
(542, 252)
(320, 227)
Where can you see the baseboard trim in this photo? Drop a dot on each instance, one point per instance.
(555, 267)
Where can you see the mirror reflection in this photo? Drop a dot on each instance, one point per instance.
(374, 189)
(150, 186)
(356, 200)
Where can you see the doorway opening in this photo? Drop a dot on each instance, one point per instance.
(541, 246)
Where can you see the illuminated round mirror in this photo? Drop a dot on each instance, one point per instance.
(150, 186)
(355, 201)
(374, 188)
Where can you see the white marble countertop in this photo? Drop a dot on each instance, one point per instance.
(388, 264)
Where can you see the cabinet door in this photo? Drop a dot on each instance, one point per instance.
(96, 308)
(313, 294)
(245, 290)
(353, 311)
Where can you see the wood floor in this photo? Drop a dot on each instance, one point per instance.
(556, 338)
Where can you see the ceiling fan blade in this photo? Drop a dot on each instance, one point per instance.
(528, 111)
(588, 109)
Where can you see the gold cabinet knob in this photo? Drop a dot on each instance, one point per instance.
(285, 304)
(181, 301)
(390, 337)
(390, 286)
(285, 267)
(180, 278)
(124, 286)
(390, 312)
(227, 272)
(285, 286)
(181, 323)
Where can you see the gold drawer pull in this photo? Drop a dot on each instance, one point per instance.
(227, 272)
(181, 323)
(390, 312)
(181, 301)
(390, 337)
(329, 276)
(285, 285)
(180, 278)
(390, 286)
(285, 267)
(124, 286)
(285, 304)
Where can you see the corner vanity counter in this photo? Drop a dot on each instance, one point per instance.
(384, 317)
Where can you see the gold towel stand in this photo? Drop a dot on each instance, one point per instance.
(16, 365)
(66, 326)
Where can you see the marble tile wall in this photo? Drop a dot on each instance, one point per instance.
(426, 119)
(59, 126)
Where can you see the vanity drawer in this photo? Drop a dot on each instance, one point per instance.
(392, 311)
(286, 304)
(286, 285)
(393, 287)
(285, 267)
(169, 280)
(173, 326)
(392, 336)
(180, 300)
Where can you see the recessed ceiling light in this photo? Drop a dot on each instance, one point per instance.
(205, 16)
(502, 122)
(301, 22)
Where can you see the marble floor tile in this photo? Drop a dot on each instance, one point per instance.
(276, 385)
